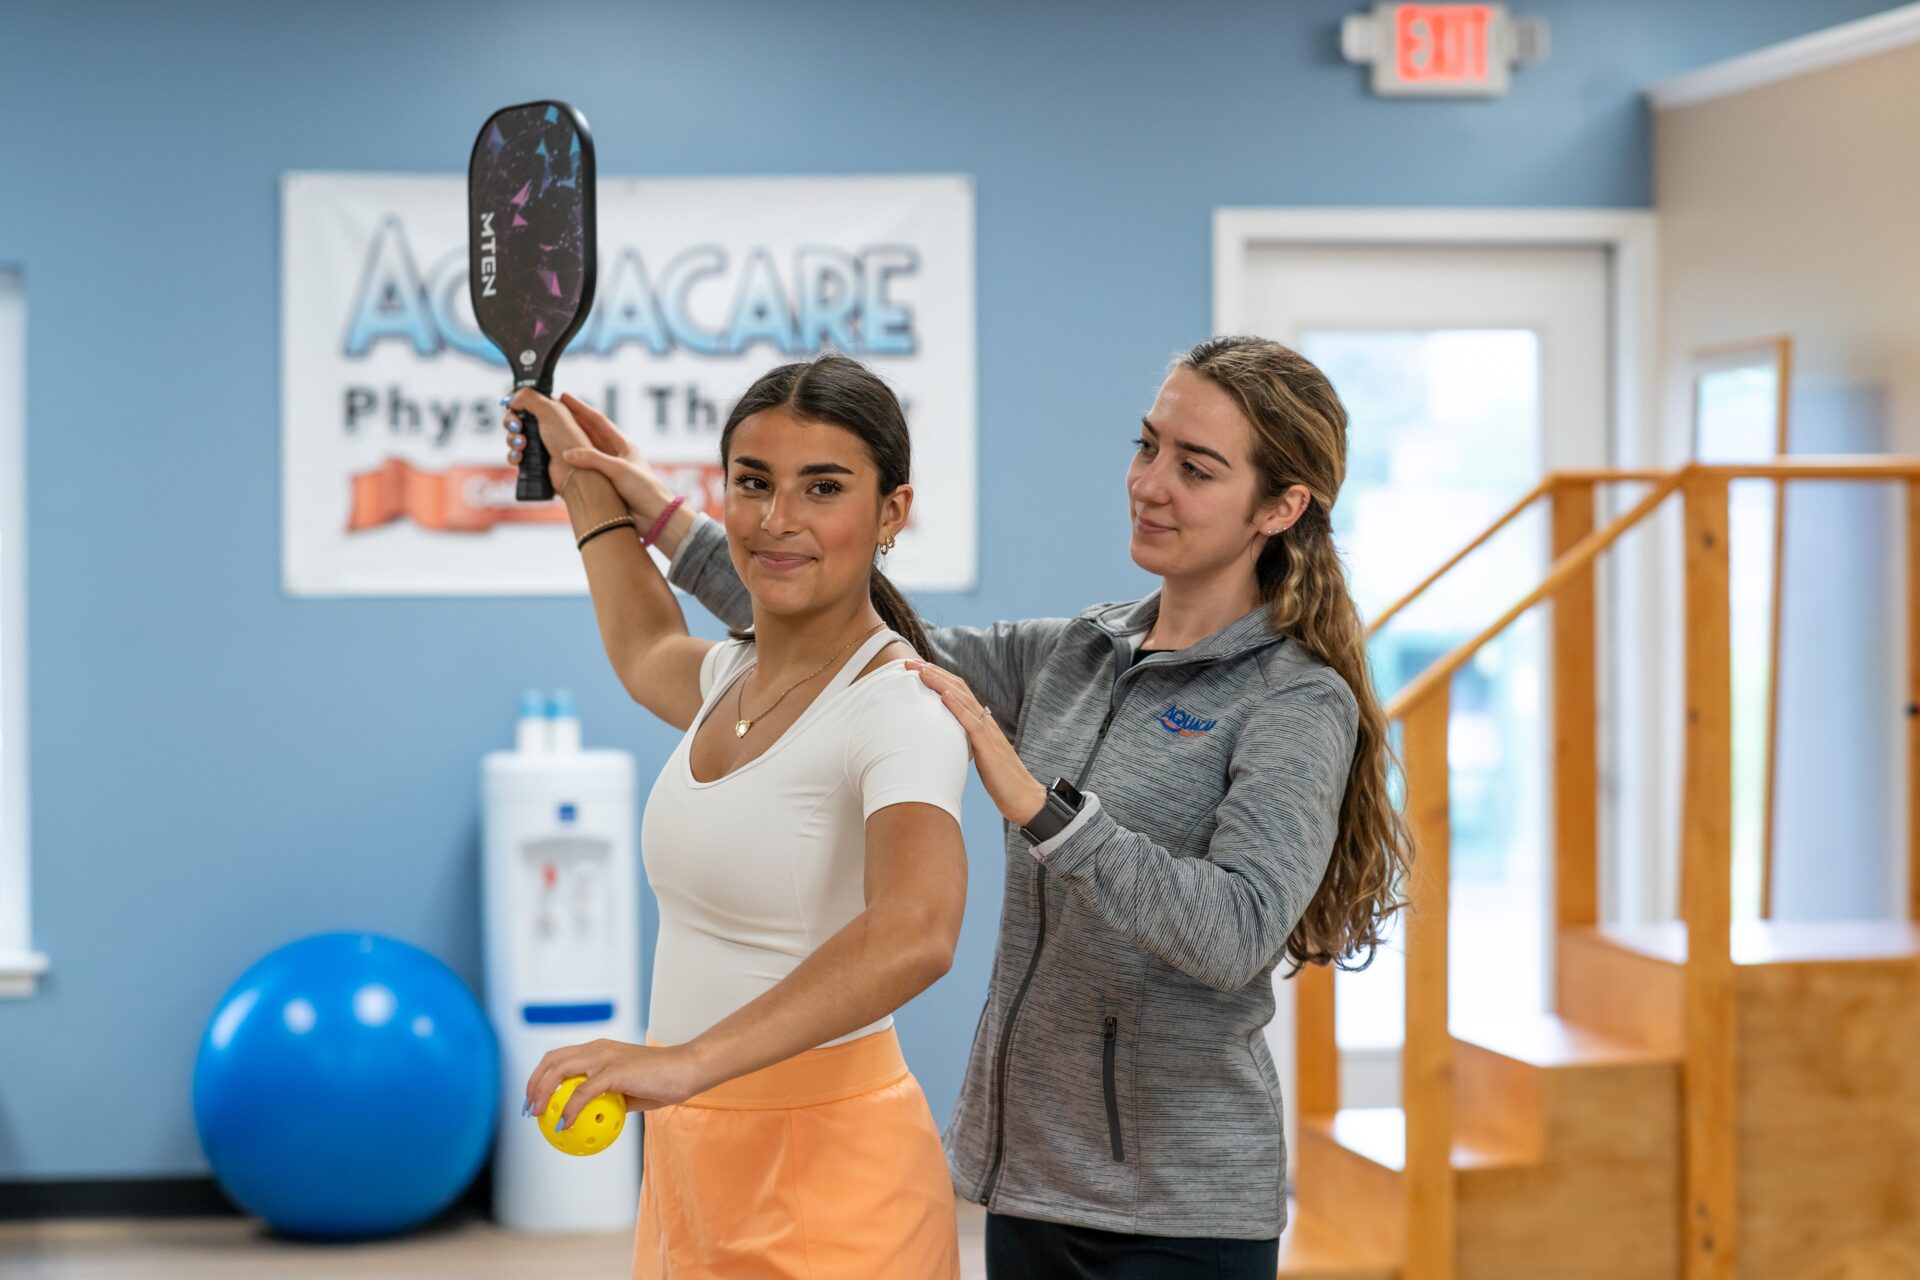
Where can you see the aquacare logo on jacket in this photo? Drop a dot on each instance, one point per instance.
(1184, 723)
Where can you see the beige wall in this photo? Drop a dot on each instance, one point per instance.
(1795, 208)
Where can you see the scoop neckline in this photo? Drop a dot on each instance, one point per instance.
(826, 697)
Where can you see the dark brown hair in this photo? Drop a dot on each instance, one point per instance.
(1300, 437)
(846, 394)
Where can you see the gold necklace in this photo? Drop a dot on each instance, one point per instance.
(743, 724)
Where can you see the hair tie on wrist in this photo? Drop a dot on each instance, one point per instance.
(646, 539)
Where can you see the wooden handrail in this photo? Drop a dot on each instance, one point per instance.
(1583, 554)
(1609, 475)
(1810, 468)
(1512, 513)
(1588, 549)
(1802, 468)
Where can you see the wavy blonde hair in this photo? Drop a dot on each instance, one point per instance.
(1300, 437)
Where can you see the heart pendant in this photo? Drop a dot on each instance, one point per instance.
(740, 728)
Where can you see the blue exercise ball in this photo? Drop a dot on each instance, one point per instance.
(346, 1086)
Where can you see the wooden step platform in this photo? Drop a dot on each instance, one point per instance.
(1626, 980)
(1827, 1062)
(1567, 1153)
(1756, 942)
(1566, 1160)
(1518, 1081)
(1312, 1248)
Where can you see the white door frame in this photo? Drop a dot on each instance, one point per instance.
(20, 965)
(1638, 811)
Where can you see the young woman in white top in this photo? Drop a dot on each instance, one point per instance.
(804, 844)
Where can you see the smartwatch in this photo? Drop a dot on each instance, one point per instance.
(1062, 807)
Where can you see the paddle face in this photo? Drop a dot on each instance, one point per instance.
(531, 250)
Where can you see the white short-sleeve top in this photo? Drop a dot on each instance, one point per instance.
(756, 869)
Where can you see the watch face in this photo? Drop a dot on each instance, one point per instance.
(1067, 791)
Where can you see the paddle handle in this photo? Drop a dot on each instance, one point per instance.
(533, 483)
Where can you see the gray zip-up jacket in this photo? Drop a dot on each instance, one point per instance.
(1119, 1076)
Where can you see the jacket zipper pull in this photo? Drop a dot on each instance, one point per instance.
(1110, 1035)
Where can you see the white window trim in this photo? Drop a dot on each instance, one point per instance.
(1639, 816)
(20, 965)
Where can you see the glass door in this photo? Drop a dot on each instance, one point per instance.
(1467, 373)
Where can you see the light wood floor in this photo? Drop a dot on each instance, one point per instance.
(236, 1249)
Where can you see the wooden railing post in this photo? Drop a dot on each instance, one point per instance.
(1426, 1062)
(1316, 1051)
(1710, 1072)
(1913, 698)
(1576, 775)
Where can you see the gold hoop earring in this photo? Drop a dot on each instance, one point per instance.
(886, 546)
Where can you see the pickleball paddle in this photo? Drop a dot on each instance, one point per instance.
(531, 250)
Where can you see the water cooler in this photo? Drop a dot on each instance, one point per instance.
(561, 902)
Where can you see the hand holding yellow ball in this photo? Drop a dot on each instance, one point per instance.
(593, 1130)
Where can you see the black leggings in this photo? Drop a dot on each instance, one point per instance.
(1023, 1249)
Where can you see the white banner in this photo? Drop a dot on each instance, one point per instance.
(394, 475)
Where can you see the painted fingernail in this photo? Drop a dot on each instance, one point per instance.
(559, 1124)
(505, 401)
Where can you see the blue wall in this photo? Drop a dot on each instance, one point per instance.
(217, 768)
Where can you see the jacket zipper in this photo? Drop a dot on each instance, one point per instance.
(1005, 1049)
(1109, 1037)
(1122, 669)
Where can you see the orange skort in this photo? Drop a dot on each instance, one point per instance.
(824, 1167)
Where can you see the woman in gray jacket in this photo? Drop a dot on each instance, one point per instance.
(1195, 789)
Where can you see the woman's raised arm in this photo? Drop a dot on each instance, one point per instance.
(641, 626)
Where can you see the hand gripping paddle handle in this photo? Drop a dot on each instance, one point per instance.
(533, 483)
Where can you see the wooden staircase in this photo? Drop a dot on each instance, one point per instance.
(1558, 1125)
(1566, 1161)
(1745, 1110)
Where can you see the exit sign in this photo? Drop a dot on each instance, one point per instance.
(1445, 49)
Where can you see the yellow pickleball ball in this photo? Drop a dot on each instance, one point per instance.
(593, 1130)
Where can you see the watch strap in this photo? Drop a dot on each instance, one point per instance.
(1055, 815)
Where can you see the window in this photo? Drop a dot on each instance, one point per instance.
(1446, 434)
(1739, 415)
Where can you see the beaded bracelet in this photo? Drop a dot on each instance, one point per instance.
(599, 529)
